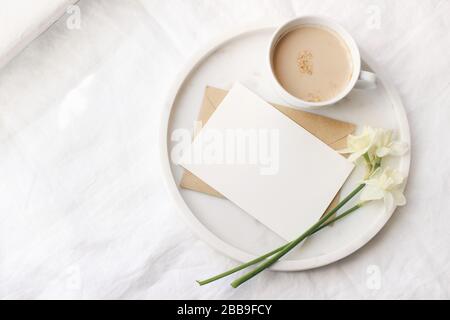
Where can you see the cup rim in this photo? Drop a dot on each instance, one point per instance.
(326, 23)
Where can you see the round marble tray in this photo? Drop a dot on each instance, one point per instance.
(240, 56)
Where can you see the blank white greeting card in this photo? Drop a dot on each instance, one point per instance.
(266, 164)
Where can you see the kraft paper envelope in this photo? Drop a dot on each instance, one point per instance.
(304, 174)
(332, 132)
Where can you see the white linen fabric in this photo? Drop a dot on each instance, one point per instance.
(23, 20)
(83, 212)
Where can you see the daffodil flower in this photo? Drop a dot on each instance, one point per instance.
(358, 145)
(384, 145)
(384, 184)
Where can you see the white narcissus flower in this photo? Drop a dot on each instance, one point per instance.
(375, 142)
(358, 145)
(384, 184)
(384, 145)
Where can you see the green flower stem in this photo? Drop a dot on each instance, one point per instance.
(343, 214)
(240, 267)
(265, 256)
(295, 242)
(367, 158)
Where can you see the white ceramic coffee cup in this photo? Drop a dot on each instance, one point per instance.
(360, 79)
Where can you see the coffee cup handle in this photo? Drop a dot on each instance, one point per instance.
(366, 80)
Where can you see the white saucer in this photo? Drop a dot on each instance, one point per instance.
(241, 57)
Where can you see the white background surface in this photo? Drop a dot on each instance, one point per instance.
(23, 20)
(83, 212)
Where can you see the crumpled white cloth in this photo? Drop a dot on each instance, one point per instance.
(83, 213)
(22, 20)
